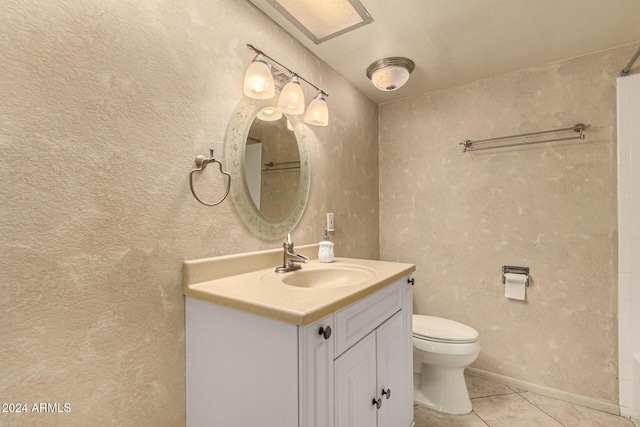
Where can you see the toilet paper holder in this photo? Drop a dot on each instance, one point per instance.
(517, 270)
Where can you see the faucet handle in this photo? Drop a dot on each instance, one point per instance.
(288, 245)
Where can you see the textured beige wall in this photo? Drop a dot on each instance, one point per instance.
(105, 105)
(550, 207)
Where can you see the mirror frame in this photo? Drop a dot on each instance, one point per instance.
(235, 143)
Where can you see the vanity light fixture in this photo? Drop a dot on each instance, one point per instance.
(258, 80)
(257, 85)
(291, 100)
(318, 112)
(269, 114)
(389, 74)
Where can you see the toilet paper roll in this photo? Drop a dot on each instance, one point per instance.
(514, 286)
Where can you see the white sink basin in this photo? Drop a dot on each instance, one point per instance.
(325, 276)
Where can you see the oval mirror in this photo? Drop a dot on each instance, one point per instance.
(269, 167)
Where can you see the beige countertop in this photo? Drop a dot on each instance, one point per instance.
(248, 282)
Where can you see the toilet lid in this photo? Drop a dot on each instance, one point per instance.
(442, 330)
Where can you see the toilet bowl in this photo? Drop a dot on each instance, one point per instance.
(442, 349)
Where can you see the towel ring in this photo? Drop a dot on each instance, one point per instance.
(201, 163)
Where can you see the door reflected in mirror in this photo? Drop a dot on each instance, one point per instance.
(272, 166)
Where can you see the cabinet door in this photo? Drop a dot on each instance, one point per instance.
(316, 374)
(393, 374)
(355, 381)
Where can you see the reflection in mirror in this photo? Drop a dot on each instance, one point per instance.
(270, 179)
(272, 166)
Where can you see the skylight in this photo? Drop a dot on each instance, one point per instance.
(323, 20)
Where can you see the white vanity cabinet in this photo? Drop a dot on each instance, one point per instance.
(248, 370)
(373, 368)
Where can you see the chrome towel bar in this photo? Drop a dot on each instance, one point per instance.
(281, 166)
(625, 71)
(470, 145)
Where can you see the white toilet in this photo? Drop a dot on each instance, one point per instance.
(442, 349)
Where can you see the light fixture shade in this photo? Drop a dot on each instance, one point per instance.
(258, 81)
(318, 112)
(389, 74)
(269, 114)
(291, 99)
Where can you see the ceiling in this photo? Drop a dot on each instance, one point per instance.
(453, 42)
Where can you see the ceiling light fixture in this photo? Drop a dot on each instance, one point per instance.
(389, 74)
(322, 20)
(258, 85)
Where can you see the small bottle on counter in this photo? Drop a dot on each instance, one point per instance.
(325, 251)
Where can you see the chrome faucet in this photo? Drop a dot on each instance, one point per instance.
(289, 258)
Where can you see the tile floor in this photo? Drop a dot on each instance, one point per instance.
(497, 405)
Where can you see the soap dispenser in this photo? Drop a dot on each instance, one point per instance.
(325, 251)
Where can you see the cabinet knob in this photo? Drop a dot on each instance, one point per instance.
(377, 402)
(412, 281)
(386, 392)
(326, 332)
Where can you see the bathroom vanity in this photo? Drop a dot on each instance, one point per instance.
(328, 345)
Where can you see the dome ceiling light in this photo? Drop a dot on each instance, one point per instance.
(389, 74)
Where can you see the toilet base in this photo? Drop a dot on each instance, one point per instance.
(442, 389)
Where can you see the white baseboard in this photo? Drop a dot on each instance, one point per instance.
(577, 399)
